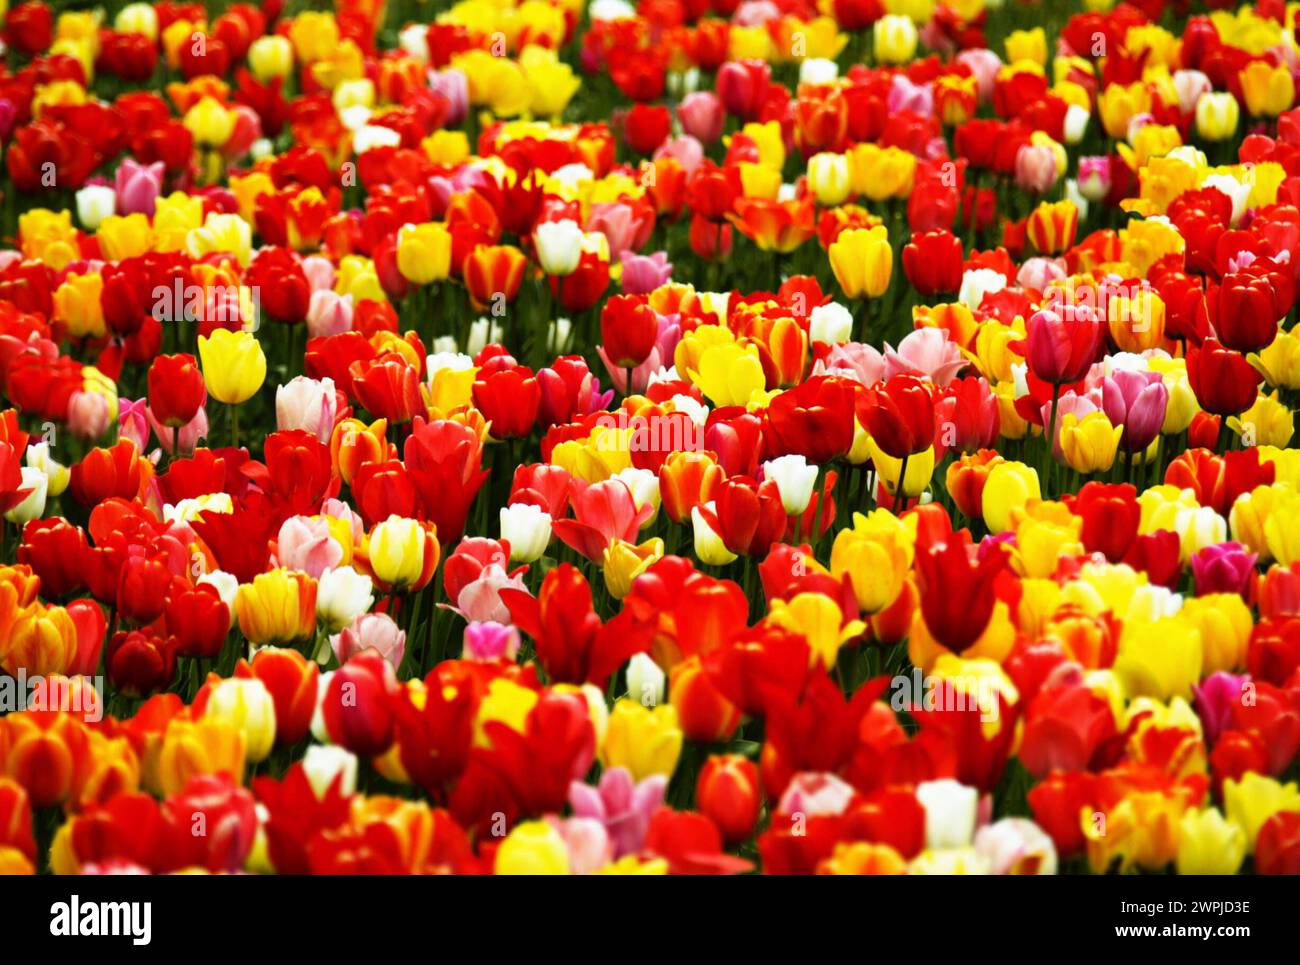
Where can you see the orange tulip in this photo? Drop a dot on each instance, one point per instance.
(493, 273)
(688, 479)
(780, 226)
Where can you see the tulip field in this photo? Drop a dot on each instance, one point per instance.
(662, 437)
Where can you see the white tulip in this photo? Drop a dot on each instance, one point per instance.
(645, 680)
(342, 595)
(527, 528)
(794, 480)
(950, 808)
(559, 246)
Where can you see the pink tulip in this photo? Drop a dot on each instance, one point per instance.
(645, 273)
(488, 641)
(1223, 568)
(371, 631)
(328, 313)
(138, 186)
(88, 415)
(1036, 168)
(1136, 400)
(307, 404)
(132, 423)
(702, 116)
(928, 353)
(304, 543)
(984, 64)
(853, 360)
(183, 439)
(622, 805)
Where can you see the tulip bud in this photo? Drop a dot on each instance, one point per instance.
(830, 324)
(828, 177)
(532, 848)
(325, 765)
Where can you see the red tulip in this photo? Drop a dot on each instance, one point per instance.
(55, 550)
(603, 512)
(358, 704)
(899, 414)
(138, 663)
(628, 330)
(727, 792)
(747, 515)
(1061, 350)
(509, 399)
(957, 592)
(388, 388)
(573, 646)
(1277, 847)
(1224, 382)
(291, 679)
(932, 262)
(176, 389)
(814, 420)
(444, 461)
(1245, 317)
(646, 127)
(199, 619)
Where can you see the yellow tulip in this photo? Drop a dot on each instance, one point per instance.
(1028, 45)
(77, 305)
(646, 741)
(1268, 90)
(424, 252)
(210, 122)
(1010, 485)
(820, 621)
(246, 705)
(403, 553)
(1225, 623)
(920, 467)
(1209, 844)
(1281, 534)
(876, 554)
(624, 562)
(270, 57)
(1280, 362)
(234, 366)
(277, 607)
(551, 82)
(124, 236)
(1251, 801)
(729, 373)
(1268, 422)
(881, 172)
(1161, 658)
(862, 261)
(532, 848)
